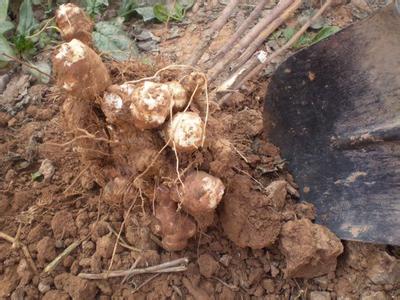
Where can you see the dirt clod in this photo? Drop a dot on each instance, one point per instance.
(310, 250)
(208, 265)
(316, 295)
(105, 246)
(56, 295)
(46, 250)
(63, 225)
(76, 287)
(249, 218)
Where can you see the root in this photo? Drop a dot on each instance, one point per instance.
(18, 245)
(76, 178)
(121, 241)
(51, 266)
(177, 265)
(119, 234)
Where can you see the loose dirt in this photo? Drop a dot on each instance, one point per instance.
(259, 238)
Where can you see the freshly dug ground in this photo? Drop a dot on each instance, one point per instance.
(261, 243)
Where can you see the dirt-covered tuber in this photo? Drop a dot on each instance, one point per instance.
(151, 105)
(185, 132)
(178, 94)
(194, 84)
(80, 71)
(115, 103)
(200, 195)
(74, 23)
(174, 227)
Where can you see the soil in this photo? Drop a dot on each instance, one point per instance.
(261, 243)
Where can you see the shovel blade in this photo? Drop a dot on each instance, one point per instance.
(334, 111)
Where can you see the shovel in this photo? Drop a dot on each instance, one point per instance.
(334, 111)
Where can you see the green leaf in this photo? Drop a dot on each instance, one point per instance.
(324, 32)
(24, 45)
(147, 12)
(27, 21)
(3, 9)
(110, 39)
(5, 48)
(6, 26)
(127, 7)
(95, 7)
(162, 13)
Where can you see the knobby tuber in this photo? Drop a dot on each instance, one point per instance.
(178, 94)
(174, 227)
(74, 23)
(80, 71)
(200, 195)
(151, 104)
(185, 132)
(115, 104)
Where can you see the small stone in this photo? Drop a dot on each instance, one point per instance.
(274, 271)
(47, 169)
(75, 267)
(315, 295)
(24, 272)
(322, 281)
(43, 288)
(207, 265)
(310, 250)
(63, 225)
(88, 248)
(259, 291)
(268, 285)
(18, 294)
(46, 250)
(77, 288)
(374, 296)
(105, 246)
(68, 261)
(225, 260)
(56, 295)
(384, 269)
(104, 286)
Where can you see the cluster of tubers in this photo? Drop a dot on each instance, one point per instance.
(142, 105)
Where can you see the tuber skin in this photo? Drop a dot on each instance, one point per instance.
(174, 227)
(185, 132)
(80, 71)
(190, 82)
(115, 104)
(200, 195)
(178, 94)
(74, 23)
(151, 105)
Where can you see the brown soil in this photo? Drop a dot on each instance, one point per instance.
(259, 238)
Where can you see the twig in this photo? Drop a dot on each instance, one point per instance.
(26, 64)
(177, 265)
(76, 179)
(145, 282)
(51, 266)
(210, 33)
(248, 38)
(24, 249)
(134, 265)
(122, 242)
(242, 28)
(120, 231)
(254, 66)
(246, 55)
